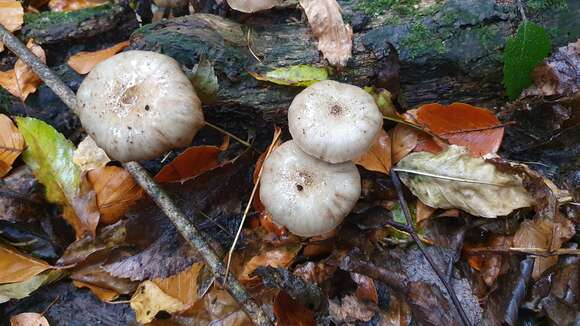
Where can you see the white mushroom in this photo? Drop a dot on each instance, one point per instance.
(307, 195)
(138, 105)
(333, 121)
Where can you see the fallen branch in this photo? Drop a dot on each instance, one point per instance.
(187, 230)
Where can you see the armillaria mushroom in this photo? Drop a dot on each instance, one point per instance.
(306, 195)
(334, 122)
(138, 105)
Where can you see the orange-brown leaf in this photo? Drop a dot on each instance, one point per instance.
(116, 191)
(83, 62)
(423, 211)
(279, 257)
(378, 157)
(21, 81)
(11, 14)
(404, 141)
(28, 319)
(105, 295)
(462, 124)
(72, 5)
(18, 267)
(366, 290)
(289, 312)
(182, 286)
(11, 144)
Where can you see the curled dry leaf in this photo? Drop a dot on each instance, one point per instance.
(149, 299)
(334, 37)
(378, 157)
(89, 156)
(21, 81)
(83, 62)
(250, 6)
(454, 179)
(366, 290)
(288, 312)
(116, 191)
(28, 319)
(11, 144)
(18, 267)
(72, 5)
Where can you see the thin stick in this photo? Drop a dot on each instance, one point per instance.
(241, 141)
(187, 230)
(413, 233)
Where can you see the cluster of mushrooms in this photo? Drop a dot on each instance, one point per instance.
(138, 105)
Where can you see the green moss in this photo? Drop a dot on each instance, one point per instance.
(375, 7)
(486, 35)
(422, 40)
(539, 5)
(33, 21)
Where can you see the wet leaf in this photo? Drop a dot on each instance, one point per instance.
(72, 5)
(116, 191)
(278, 257)
(288, 312)
(105, 295)
(89, 156)
(83, 62)
(522, 53)
(28, 319)
(250, 6)
(299, 75)
(334, 37)
(204, 80)
(464, 125)
(404, 140)
(99, 281)
(149, 299)
(23, 289)
(17, 267)
(11, 144)
(453, 179)
(366, 290)
(11, 15)
(378, 157)
(21, 81)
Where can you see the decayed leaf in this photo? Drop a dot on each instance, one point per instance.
(279, 257)
(11, 144)
(149, 299)
(105, 295)
(378, 157)
(288, 312)
(182, 286)
(49, 156)
(21, 81)
(349, 310)
(461, 124)
(300, 75)
(249, 6)
(454, 179)
(17, 267)
(11, 14)
(23, 289)
(334, 37)
(193, 162)
(116, 191)
(204, 80)
(366, 290)
(89, 156)
(72, 5)
(83, 62)
(28, 319)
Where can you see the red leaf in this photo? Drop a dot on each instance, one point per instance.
(291, 313)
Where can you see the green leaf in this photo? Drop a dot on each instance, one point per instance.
(523, 52)
(300, 75)
(23, 289)
(204, 80)
(50, 156)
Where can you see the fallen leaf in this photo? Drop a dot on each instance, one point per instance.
(454, 179)
(522, 53)
(404, 140)
(423, 211)
(116, 191)
(101, 283)
(288, 312)
(11, 14)
(193, 162)
(366, 290)
(427, 143)
(23, 289)
(28, 319)
(84, 62)
(149, 299)
(49, 156)
(21, 81)
(334, 37)
(204, 80)
(384, 100)
(378, 157)
(17, 267)
(461, 124)
(349, 310)
(11, 144)
(278, 257)
(299, 75)
(182, 286)
(72, 5)
(105, 295)
(250, 6)
(89, 156)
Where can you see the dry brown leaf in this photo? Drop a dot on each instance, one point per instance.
(250, 6)
(404, 140)
(423, 211)
(378, 157)
(21, 81)
(366, 290)
(83, 213)
(349, 310)
(17, 267)
(182, 286)
(11, 14)
(289, 312)
(279, 257)
(116, 191)
(83, 62)
(334, 37)
(105, 295)
(149, 299)
(89, 156)
(11, 144)
(72, 5)
(28, 319)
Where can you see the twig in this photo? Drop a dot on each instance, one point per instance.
(521, 8)
(413, 233)
(248, 39)
(223, 131)
(187, 230)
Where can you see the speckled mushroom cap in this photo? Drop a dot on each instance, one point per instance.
(333, 121)
(306, 195)
(138, 105)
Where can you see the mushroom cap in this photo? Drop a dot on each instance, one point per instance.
(138, 105)
(307, 195)
(333, 121)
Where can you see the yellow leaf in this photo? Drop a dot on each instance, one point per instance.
(149, 299)
(378, 157)
(83, 62)
(11, 144)
(17, 267)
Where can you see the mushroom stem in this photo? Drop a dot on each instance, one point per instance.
(187, 230)
(223, 131)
